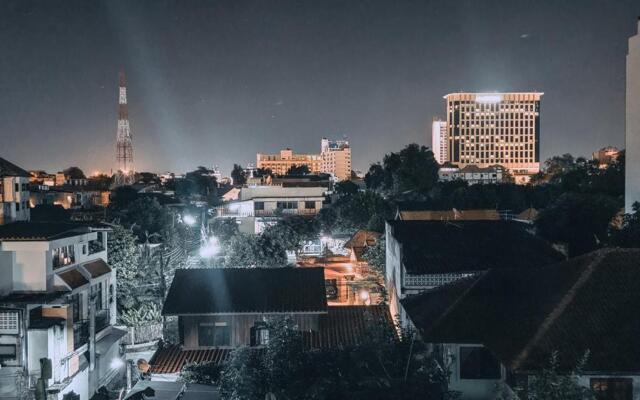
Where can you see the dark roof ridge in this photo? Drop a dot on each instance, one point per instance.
(567, 299)
(478, 277)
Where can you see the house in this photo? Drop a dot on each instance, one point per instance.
(261, 206)
(69, 196)
(57, 302)
(421, 255)
(235, 303)
(14, 193)
(503, 325)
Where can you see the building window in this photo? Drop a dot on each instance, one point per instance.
(76, 307)
(96, 292)
(17, 206)
(8, 352)
(612, 388)
(214, 334)
(17, 188)
(287, 205)
(9, 323)
(478, 363)
(63, 256)
(84, 249)
(310, 205)
(258, 206)
(259, 334)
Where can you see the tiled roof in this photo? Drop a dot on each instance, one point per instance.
(73, 278)
(246, 290)
(586, 303)
(170, 359)
(342, 326)
(362, 238)
(450, 215)
(433, 247)
(345, 326)
(9, 169)
(97, 268)
(37, 231)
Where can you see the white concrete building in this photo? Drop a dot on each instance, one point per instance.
(336, 158)
(14, 193)
(632, 136)
(260, 206)
(473, 174)
(439, 140)
(57, 302)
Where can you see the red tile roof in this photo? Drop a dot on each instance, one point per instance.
(172, 358)
(343, 326)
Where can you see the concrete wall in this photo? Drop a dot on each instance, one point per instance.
(632, 175)
(240, 324)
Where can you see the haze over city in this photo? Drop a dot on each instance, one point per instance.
(214, 83)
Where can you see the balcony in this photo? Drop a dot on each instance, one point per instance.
(80, 333)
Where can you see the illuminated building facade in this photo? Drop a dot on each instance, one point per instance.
(280, 163)
(439, 140)
(485, 129)
(334, 159)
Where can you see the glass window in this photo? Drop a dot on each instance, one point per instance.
(17, 187)
(612, 388)
(310, 205)
(214, 334)
(478, 363)
(8, 352)
(63, 256)
(258, 205)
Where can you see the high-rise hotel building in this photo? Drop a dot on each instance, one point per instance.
(485, 129)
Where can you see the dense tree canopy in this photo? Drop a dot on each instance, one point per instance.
(74, 173)
(298, 170)
(383, 366)
(238, 175)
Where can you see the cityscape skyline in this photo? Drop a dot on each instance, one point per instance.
(312, 72)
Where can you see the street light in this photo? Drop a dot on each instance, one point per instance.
(210, 248)
(189, 219)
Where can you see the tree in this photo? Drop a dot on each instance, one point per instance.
(74, 173)
(376, 256)
(146, 215)
(238, 175)
(124, 257)
(382, 366)
(374, 179)
(628, 236)
(291, 231)
(101, 182)
(250, 251)
(204, 182)
(413, 169)
(346, 188)
(224, 229)
(552, 383)
(298, 170)
(363, 210)
(121, 197)
(50, 213)
(581, 220)
(148, 178)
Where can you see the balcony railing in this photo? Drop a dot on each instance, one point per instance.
(80, 333)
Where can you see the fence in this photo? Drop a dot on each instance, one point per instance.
(143, 334)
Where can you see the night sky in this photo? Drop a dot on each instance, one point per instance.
(214, 82)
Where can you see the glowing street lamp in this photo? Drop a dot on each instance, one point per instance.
(189, 219)
(210, 248)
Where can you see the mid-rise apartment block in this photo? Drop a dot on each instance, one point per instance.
(485, 129)
(280, 163)
(57, 303)
(14, 193)
(334, 159)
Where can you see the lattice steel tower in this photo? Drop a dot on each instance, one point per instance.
(124, 146)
